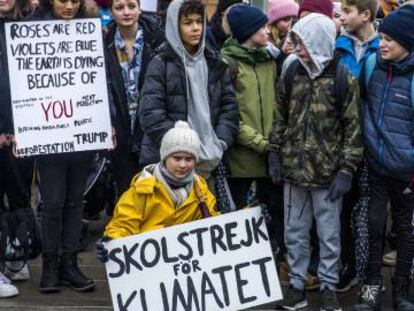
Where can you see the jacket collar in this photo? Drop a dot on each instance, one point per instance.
(346, 43)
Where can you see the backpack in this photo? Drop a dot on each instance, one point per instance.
(369, 67)
(340, 82)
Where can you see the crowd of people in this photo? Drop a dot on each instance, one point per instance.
(306, 108)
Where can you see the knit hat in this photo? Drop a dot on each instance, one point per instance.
(181, 138)
(324, 7)
(399, 26)
(224, 4)
(278, 9)
(244, 21)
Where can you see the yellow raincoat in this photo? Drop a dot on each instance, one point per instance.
(148, 206)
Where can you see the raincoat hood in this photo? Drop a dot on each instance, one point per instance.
(172, 32)
(318, 34)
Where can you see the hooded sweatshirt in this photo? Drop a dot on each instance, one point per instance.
(196, 72)
(318, 34)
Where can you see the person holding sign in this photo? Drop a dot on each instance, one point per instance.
(188, 81)
(163, 194)
(131, 42)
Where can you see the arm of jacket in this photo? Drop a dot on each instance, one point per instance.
(352, 150)
(152, 111)
(252, 139)
(109, 84)
(280, 120)
(227, 125)
(127, 217)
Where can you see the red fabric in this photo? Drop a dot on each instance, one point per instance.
(324, 7)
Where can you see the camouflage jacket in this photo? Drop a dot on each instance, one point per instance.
(315, 136)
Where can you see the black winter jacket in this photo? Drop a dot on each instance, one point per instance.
(6, 122)
(153, 37)
(163, 100)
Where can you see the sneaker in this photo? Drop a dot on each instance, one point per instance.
(390, 259)
(370, 298)
(347, 280)
(329, 302)
(16, 272)
(6, 288)
(294, 299)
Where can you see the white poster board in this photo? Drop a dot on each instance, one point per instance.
(58, 86)
(149, 5)
(219, 263)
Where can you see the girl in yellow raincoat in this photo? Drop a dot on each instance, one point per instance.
(163, 194)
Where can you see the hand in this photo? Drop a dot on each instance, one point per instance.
(287, 46)
(13, 143)
(274, 167)
(114, 140)
(4, 141)
(101, 251)
(341, 185)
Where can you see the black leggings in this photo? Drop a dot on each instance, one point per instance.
(62, 183)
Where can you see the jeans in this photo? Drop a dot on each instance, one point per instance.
(62, 183)
(302, 205)
(384, 189)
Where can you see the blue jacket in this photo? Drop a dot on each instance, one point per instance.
(388, 118)
(345, 46)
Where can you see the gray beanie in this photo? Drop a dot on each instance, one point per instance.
(181, 138)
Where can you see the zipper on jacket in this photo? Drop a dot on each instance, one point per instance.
(381, 114)
(260, 99)
(306, 121)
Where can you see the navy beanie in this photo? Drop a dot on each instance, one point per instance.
(245, 20)
(399, 26)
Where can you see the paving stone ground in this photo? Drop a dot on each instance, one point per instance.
(67, 300)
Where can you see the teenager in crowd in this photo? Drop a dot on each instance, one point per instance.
(316, 148)
(131, 43)
(388, 116)
(15, 174)
(188, 81)
(164, 194)
(281, 14)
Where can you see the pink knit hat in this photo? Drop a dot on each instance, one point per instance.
(278, 9)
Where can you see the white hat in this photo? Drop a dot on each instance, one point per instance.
(181, 138)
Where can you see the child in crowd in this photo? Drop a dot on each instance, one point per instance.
(388, 116)
(315, 146)
(281, 14)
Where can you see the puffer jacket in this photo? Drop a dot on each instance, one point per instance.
(314, 136)
(152, 34)
(6, 122)
(255, 87)
(388, 118)
(147, 206)
(345, 47)
(163, 100)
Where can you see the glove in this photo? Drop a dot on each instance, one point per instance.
(274, 167)
(341, 184)
(101, 251)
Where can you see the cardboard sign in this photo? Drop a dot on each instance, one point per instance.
(219, 263)
(58, 86)
(149, 5)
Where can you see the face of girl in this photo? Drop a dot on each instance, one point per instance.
(65, 9)
(180, 164)
(126, 12)
(6, 6)
(283, 26)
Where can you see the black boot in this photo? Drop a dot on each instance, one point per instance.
(400, 296)
(49, 282)
(71, 276)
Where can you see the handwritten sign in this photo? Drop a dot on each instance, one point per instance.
(58, 86)
(220, 263)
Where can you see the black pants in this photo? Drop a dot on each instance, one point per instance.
(266, 193)
(15, 179)
(384, 189)
(62, 183)
(125, 165)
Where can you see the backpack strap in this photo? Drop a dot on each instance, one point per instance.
(369, 67)
(341, 85)
(233, 68)
(290, 74)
